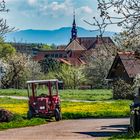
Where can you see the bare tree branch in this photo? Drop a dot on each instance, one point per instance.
(123, 13)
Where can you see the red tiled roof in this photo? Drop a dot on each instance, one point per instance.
(75, 45)
(76, 54)
(87, 42)
(39, 57)
(131, 63)
(90, 42)
(63, 61)
(72, 61)
(76, 61)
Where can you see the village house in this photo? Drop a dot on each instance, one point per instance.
(74, 53)
(126, 66)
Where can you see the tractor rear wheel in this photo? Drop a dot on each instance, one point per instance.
(57, 115)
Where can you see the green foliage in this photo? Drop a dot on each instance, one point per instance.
(71, 76)
(98, 66)
(21, 121)
(50, 65)
(122, 90)
(46, 47)
(20, 68)
(6, 50)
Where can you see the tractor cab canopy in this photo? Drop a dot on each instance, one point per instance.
(42, 87)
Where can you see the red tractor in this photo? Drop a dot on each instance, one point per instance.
(44, 100)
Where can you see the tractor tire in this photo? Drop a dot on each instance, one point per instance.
(57, 115)
(30, 114)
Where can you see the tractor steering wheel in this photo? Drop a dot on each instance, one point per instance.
(42, 95)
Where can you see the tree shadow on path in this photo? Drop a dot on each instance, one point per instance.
(107, 131)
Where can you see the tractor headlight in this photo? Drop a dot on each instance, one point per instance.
(42, 107)
(133, 112)
(34, 103)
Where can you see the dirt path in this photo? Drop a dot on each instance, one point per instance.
(84, 129)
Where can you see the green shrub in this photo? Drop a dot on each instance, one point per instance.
(122, 90)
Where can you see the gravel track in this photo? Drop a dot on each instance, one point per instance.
(83, 129)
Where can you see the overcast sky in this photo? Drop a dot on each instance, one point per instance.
(50, 14)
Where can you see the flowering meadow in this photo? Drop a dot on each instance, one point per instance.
(99, 109)
(70, 110)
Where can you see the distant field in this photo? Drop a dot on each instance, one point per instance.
(91, 95)
(13, 92)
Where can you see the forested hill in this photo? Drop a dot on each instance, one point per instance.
(59, 36)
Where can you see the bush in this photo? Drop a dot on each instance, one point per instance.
(5, 116)
(122, 90)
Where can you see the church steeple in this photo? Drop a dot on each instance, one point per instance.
(74, 29)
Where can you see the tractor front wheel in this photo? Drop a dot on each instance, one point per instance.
(30, 114)
(57, 114)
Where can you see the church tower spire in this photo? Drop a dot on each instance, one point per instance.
(74, 29)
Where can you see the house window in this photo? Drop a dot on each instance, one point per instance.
(52, 55)
(60, 55)
(65, 56)
(56, 55)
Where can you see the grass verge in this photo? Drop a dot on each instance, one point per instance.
(21, 121)
(125, 137)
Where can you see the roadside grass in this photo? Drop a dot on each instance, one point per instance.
(21, 121)
(91, 95)
(125, 137)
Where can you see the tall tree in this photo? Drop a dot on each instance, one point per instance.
(18, 69)
(6, 50)
(98, 65)
(4, 28)
(123, 13)
(71, 76)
